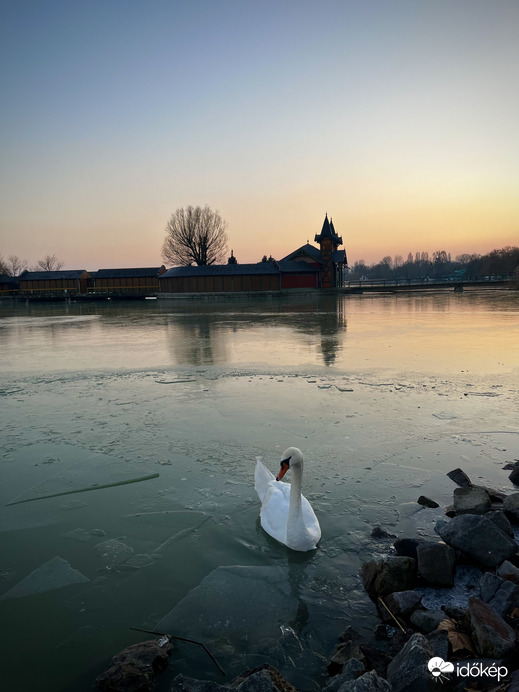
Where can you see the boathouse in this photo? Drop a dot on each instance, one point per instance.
(8, 285)
(234, 277)
(62, 282)
(133, 281)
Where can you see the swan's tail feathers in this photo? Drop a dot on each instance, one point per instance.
(262, 478)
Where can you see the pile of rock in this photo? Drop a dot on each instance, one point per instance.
(479, 533)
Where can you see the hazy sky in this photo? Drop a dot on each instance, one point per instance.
(397, 117)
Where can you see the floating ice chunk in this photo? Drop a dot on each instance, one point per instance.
(138, 561)
(221, 605)
(84, 535)
(113, 552)
(52, 575)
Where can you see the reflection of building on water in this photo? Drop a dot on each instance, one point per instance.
(204, 335)
(308, 267)
(197, 339)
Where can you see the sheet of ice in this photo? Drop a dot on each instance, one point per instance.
(235, 602)
(54, 574)
(93, 472)
(113, 552)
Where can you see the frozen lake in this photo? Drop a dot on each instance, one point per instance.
(130, 435)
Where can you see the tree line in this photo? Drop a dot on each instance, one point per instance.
(14, 265)
(421, 265)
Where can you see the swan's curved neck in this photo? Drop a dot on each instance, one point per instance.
(295, 506)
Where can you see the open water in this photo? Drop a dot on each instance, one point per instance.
(130, 433)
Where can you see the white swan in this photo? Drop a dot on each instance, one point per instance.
(286, 515)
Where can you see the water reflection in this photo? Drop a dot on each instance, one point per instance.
(405, 331)
(250, 330)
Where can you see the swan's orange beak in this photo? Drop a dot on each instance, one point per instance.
(285, 465)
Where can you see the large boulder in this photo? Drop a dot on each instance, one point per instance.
(406, 547)
(471, 499)
(408, 671)
(436, 562)
(386, 575)
(501, 521)
(511, 505)
(351, 670)
(265, 678)
(427, 621)
(369, 682)
(403, 602)
(135, 668)
(506, 598)
(493, 637)
(459, 477)
(478, 537)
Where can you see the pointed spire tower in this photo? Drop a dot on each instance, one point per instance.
(328, 241)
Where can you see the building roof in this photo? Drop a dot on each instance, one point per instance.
(6, 279)
(339, 257)
(283, 266)
(328, 231)
(127, 273)
(306, 249)
(54, 276)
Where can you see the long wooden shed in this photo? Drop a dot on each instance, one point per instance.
(62, 282)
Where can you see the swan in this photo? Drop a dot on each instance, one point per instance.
(285, 514)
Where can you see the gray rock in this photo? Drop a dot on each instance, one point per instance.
(135, 668)
(471, 499)
(343, 653)
(459, 477)
(500, 520)
(351, 670)
(379, 532)
(436, 562)
(403, 602)
(439, 642)
(369, 682)
(427, 621)
(181, 683)
(506, 598)
(264, 678)
(384, 576)
(511, 505)
(408, 671)
(514, 476)
(260, 681)
(490, 633)
(478, 537)
(406, 547)
(427, 502)
(488, 586)
(514, 682)
(508, 571)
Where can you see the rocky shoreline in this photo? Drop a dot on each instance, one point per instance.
(469, 646)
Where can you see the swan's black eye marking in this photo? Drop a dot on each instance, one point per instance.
(286, 462)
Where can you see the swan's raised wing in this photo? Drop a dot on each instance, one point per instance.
(262, 479)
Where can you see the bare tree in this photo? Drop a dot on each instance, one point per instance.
(13, 265)
(195, 235)
(50, 263)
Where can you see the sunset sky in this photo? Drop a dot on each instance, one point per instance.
(399, 118)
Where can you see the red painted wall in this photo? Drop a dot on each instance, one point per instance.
(298, 281)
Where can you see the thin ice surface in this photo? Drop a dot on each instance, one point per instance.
(236, 602)
(54, 574)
